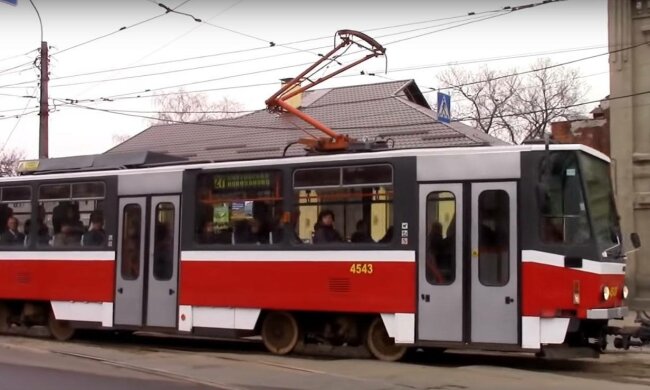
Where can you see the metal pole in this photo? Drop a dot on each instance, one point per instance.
(44, 111)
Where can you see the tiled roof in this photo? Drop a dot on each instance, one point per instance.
(392, 110)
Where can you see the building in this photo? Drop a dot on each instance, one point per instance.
(393, 111)
(593, 132)
(629, 43)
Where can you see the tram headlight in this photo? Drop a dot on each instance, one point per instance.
(626, 291)
(605, 293)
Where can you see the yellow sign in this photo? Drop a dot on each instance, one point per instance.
(28, 165)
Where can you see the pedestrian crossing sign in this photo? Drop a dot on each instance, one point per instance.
(444, 108)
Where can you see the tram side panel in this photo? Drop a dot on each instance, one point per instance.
(74, 278)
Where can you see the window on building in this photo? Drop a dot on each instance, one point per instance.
(494, 238)
(562, 202)
(441, 238)
(239, 208)
(131, 251)
(344, 204)
(73, 215)
(15, 215)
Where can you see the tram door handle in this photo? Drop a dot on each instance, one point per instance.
(425, 297)
(120, 290)
(171, 291)
(509, 300)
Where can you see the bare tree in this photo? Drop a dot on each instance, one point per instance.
(193, 107)
(120, 138)
(511, 106)
(9, 162)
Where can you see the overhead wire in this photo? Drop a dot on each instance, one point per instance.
(13, 129)
(266, 47)
(213, 79)
(116, 31)
(144, 94)
(221, 124)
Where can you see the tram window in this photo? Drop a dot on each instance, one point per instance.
(494, 238)
(441, 238)
(564, 216)
(239, 208)
(131, 241)
(15, 213)
(357, 208)
(71, 215)
(163, 241)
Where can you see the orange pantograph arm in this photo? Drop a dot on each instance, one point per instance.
(279, 99)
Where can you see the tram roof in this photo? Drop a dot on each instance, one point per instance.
(174, 166)
(396, 111)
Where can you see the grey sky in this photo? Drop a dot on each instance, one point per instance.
(565, 25)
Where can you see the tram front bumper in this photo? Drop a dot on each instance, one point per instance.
(607, 314)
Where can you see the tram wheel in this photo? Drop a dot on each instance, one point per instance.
(59, 329)
(382, 346)
(280, 332)
(4, 318)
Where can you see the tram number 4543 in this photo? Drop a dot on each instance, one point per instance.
(361, 269)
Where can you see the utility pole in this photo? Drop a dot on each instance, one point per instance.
(43, 128)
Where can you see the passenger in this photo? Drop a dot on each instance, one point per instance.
(207, 235)
(388, 237)
(435, 237)
(5, 213)
(11, 236)
(95, 236)
(163, 267)
(43, 232)
(67, 236)
(74, 228)
(249, 232)
(434, 254)
(361, 234)
(324, 231)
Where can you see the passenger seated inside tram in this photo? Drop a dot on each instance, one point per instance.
(324, 231)
(95, 236)
(11, 235)
(69, 236)
(207, 235)
(249, 231)
(43, 232)
(361, 234)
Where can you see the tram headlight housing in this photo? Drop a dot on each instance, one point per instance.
(606, 293)
(626, 292)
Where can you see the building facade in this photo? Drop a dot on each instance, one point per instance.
(629, 45)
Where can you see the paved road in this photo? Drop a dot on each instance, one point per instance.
(198, 364)
(25, 369)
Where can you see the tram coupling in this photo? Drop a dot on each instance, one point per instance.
(632, 336)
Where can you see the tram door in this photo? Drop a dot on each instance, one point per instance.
(467, 263)
(147, 261)
(440, 301)
(494, 300)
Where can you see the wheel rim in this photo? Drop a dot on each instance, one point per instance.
(60, 330)
(381, 345)
(280, 332)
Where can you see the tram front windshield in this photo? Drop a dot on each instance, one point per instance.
(600, 198)
(578, 206)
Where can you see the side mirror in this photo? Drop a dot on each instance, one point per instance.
(636, 241)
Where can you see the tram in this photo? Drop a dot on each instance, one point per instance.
(514, 248)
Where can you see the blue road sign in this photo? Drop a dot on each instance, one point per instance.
(444, 108)
(10, 2)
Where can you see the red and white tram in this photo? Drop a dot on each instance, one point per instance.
(502, 248)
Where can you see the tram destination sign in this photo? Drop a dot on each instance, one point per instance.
(242, 181)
